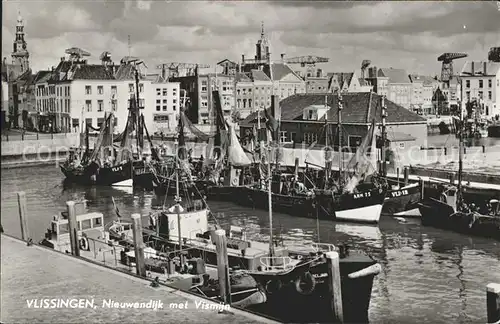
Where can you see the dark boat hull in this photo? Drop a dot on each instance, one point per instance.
(114, 176)
(402, 202)
(294, 205)
(226, 193)
(362, 207)
(290, 305)
(438, 214)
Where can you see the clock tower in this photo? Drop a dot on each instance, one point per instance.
(20, 55)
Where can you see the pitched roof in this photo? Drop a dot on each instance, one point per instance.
(341, 77)
(359, 107)
(93, 72)
(258, 75)
(426, 80)
(363, 82)
(491, 68)
(395, 75)
(280, 70)
(228, 62)
(242, 77)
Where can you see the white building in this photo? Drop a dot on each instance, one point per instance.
(77, 93)
(481, 81)
(162, 105)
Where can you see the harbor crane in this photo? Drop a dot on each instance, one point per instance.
(308, 61)
(172, 69)
(447, 66)
(75, 53)
(364, 65)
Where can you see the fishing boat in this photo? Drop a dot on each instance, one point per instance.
(451, 211)
(346, 200)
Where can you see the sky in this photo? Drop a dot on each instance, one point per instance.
(399, 34)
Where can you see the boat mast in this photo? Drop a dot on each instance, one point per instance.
(269, 195)
(137, 114)
(383, 166)
(327, 149)
(460, 155)
(340, 139)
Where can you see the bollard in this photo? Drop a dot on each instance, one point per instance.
(484, 149)
(445, 150)
(21, 200)
(73, 229)
(493, 302)
(138, 245)
(422, 186)
(222, 265)
(334, 285)
(406, 175)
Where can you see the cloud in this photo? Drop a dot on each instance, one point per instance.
(410, 33)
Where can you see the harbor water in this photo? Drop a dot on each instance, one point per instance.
(429, 275)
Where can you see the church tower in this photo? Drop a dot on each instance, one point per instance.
(262, 46)
(20, 55)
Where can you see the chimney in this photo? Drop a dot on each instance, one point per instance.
(242, 59)
(484, 69)
(283, 58)
(275, 107)
(472, 67)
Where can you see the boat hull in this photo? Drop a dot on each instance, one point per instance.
(438, 214)
(120, 175)
(293, 205)
(403, 202)
(289, 305)
(363, 207)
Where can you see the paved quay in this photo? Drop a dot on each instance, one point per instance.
(32, 273)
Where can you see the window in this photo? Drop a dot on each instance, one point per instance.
(100, 105)
(310, 137)
(480, 83)
(88, 90)
(165, 92)
(238, 103)
(158, 108)
(131, 87)
(467, 83)
(88, 121)
(164, 108)
(160, 119)
(100, 90)
(113, 90)
(158, 91)
(489, 95)
(204, 104)
(480, 95)
(293, 136)
(164, 101)
(203, 89)
(141, 87)
(401, 145)
(354, 140)
(249, 103)
(490, 83)
(204, 82)
(113, 105)
(238, 92)
(88, 105)
(174, 101)
(100, 121)
(158, 101)
(174, 107)
(283, 137)
(244, 103)
(467, 94)
(97, 222)
(75, 122)
(141, 103)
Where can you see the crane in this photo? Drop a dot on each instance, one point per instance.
(75, 53)
(364, 65)
(174, 67)
(447, 66)
(308, 61)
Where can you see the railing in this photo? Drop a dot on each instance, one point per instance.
(33, 136)
(277, 263)
(323, 247)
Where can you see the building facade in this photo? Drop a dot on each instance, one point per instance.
(398, 87)
(481, 83)
(162, 106)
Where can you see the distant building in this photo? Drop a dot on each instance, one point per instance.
(162, 104)
(303, 116)
(424, 88)
(481, 83)
(396, 85)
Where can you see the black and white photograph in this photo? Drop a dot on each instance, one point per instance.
(249, 161)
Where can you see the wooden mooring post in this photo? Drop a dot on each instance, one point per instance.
(138, 245)
(406, 175)
(21, 200)
(334, 285)
(493, 302)
(422, 187)
(73, 228)
(222, 265)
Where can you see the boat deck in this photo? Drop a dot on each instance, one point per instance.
(36, 272)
